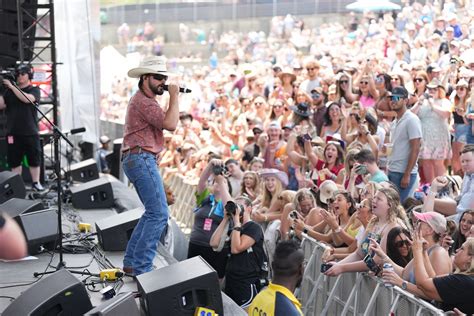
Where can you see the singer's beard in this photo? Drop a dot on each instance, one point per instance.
(158, 90)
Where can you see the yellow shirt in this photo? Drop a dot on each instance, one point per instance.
(275, 300)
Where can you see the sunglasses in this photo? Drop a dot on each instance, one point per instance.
(344, 81)
(379, 79)
(258, 103)
(419, 79)
(395, 98)
(401, 243)
(364, 82)
(160, 77)
(277, 106)
(461, 88)
(315, 95)
(309, 69)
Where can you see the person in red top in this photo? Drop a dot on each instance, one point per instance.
(328, 168)
(142, 143)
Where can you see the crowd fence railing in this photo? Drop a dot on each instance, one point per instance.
(353, 293)
(185, 202)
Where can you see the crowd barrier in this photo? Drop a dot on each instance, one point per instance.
(353, 293)
(185, 202)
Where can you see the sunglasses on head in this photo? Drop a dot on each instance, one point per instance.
(160, 77)
(401, 243)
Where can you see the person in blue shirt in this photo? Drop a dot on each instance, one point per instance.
(366, 158)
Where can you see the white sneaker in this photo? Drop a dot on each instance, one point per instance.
(36, 186)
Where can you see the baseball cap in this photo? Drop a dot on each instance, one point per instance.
(399, 92)
(436, 221)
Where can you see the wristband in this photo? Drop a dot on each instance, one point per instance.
(305, 230)
(237, 228)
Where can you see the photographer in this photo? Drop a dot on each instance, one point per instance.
(246, 264)
(22, 123)
(208, 214)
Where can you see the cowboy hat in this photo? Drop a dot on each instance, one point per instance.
(326, 189)
(301, 109)
(280, 175)
(287, 72)
(435, 83)
(150, 65)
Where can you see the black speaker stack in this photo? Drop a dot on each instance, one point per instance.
(93, 194)
(10, 48)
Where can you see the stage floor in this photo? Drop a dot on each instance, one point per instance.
(16, 277)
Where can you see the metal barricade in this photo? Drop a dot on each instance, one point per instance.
(352, 293)
(185, 202)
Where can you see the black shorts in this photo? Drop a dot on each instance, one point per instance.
(28, 145)
(241, 291)
(217, 260)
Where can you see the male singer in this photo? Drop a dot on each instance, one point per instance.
(142, 143)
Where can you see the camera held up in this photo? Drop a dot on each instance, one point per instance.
(231, 208)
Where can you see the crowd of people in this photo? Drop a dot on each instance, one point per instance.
(361, 137)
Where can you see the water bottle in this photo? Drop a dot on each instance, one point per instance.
(388, 267)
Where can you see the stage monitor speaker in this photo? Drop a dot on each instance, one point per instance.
(14, 207)
(84, 171)
(11, 185)
(122, 304)
(114, 232)
(93, 194)
(180, 288)
(57, 294)
(40, 229)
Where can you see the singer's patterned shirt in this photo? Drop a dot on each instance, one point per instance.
(143, 124)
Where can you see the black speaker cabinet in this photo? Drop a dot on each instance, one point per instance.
(14, 207)
(180, 288)
(114, 232)
(84, 171)
(11, 185)
(93, 194)
(122, 304)
(57, 294)
(40, 229)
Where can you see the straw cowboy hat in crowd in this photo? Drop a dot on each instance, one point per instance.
(150, 65)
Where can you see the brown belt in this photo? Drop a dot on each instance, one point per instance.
(137, 150)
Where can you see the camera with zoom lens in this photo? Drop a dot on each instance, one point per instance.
(7, 74)
(219, 170)
(231, 208)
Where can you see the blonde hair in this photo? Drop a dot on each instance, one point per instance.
(256, 182)
(395, 210)
(267, 197)
(470, 251)
(301, 195)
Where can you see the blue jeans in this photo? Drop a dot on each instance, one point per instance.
(396, 178)
(142, 171)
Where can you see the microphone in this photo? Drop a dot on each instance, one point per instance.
(76, 130)
(181, 89)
